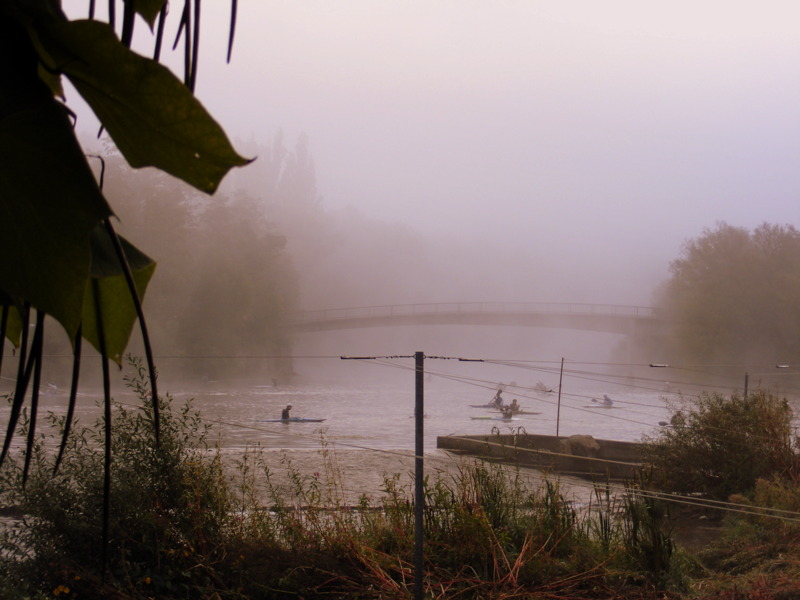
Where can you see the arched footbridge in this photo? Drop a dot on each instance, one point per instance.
(609, 318)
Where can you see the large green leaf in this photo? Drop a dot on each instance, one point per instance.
(153, 117)
(111, 292)
(49, 205)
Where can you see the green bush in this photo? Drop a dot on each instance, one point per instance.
(168, 518)
(718, 446)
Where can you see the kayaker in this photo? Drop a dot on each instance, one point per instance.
(285, 412)
(514, 407)
(498, 399)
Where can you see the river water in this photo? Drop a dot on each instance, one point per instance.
(370, 427)
(382, 417)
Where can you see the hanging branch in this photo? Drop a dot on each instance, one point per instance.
(20, 388)
(195, 45)
(233, 29)
(137, 303)
(126, 269)
(73, 395)
(107, 418)
(187, 44)
(112, 12)
(181, 27)
(36, 361)
(3, 327)
(162, 17)
(184, 29)
(128, 20)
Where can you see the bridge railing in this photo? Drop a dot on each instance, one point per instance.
(449, 308)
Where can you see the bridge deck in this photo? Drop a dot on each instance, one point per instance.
(594, 317)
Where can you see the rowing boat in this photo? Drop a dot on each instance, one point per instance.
(291, 420)
(515, 412)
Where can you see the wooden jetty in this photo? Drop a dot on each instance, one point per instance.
(578, 455)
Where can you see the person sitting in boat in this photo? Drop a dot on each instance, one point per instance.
(607, 401)
(514, 407)
(285, 412)
(497, 401)
(506, 411)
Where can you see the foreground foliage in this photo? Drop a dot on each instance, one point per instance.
(184, 525)
(181, 526)
(54, 234)
(168, 514)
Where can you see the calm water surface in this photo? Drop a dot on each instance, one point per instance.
(382, 416)
(371, 427)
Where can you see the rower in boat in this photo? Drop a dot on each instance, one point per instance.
(285, 412)
(606, 402)
(497, 401)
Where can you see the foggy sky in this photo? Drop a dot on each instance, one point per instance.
(596, 136)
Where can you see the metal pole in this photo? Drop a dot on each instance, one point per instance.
(558, 412)
(746, 378)
(419, 495)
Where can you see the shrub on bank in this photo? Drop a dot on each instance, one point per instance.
(740, 452)
(718, 446)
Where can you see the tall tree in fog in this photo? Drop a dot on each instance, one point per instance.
(734, 296)
(224, 284)
(243, 289)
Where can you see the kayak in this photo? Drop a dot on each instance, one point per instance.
(487, 418)
(600, 406)
(483, 406)
(291, 420)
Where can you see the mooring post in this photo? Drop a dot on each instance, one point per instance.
(419, 495)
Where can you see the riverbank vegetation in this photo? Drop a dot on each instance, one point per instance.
(184, 526)
(717, 445)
